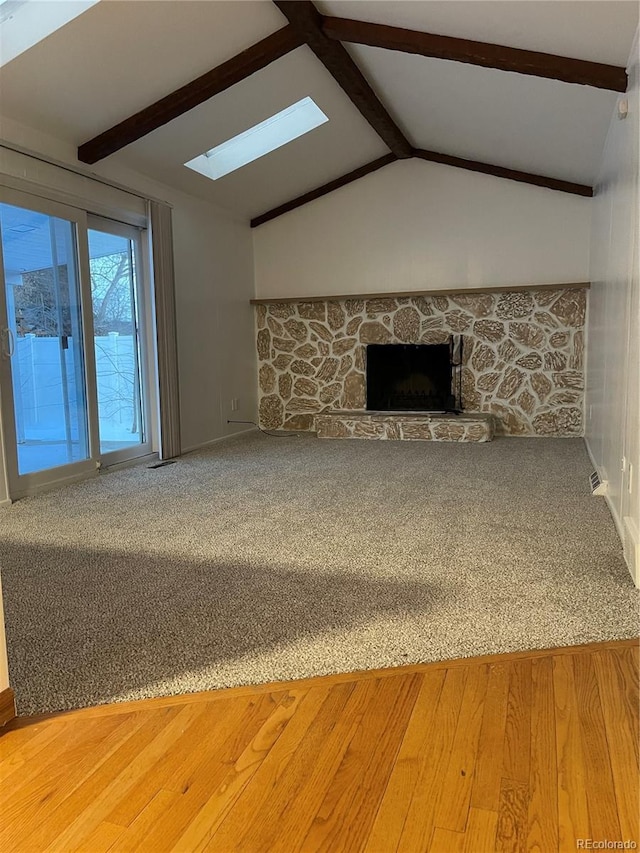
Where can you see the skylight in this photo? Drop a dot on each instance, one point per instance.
(26, 22)
(265, 137)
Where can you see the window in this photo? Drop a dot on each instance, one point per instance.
(283, 127)
(24, 23)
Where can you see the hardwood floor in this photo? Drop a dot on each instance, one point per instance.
(521, 752)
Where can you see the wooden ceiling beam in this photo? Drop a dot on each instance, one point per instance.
(513, 59)
(360, 172)
(501, 172)
(307, 21)
(187, 97)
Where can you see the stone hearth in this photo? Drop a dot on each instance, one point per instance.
(522, 359)
(405, 426)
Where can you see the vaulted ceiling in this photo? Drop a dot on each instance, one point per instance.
(119, 58)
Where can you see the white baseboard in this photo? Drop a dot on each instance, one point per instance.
(6, 502)
(627, 530)
(590, 454)
(217, 440)
(631, 544)
(616, 519)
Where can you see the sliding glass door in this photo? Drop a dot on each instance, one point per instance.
(73, 390)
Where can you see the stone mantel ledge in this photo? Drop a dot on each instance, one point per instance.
(462, 291)
(405, 426)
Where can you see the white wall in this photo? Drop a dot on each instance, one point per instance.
(415, 225)
(613, 353)
(216, 335)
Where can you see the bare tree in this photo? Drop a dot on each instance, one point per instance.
(111, 293)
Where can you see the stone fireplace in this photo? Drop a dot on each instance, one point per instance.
(522, 354)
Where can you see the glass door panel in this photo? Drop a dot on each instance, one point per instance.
(112, 265)
(43, 339)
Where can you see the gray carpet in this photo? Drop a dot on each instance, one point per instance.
(276, 558)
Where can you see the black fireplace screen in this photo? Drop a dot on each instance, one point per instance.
(418, 377)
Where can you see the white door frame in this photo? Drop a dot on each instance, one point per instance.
(130, 232)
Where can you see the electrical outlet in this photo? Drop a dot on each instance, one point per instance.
(234, 404)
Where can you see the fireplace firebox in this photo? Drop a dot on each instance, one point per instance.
(415, 377)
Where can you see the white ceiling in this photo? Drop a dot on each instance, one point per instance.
(343, 143)
(122, 55)
(542, 126)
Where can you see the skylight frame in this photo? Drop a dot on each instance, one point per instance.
(25, 23)
(269, 135)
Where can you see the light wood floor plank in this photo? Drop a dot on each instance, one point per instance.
(252, 828)
(61, 778)
(513, 817)
(456, 784)
(262, 831)
(620, 720)
(47, 770)
(298, 809)
(485, 793)
(250, 715)
(314, 711)
(349, 808)
(129, 838)
(442, 841)
(133, 734)
(517, 738)
(543, 773)
(230, 735)
(356, 762)
(619, 689)
(390, 820)
(573, 810)
(27, 740)
(148, 784)
(132, 762)
(175, 767)
(603, 812)
(480, 836)
(419, 823)
(201, 829)
(105, 837)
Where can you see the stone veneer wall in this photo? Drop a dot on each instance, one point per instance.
(523, 354)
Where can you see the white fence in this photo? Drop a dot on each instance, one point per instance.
(40, 367)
